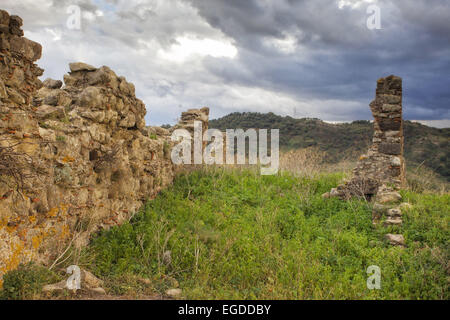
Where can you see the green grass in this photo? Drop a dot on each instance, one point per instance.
(239, 235)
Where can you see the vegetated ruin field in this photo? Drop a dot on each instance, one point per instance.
(233, 234)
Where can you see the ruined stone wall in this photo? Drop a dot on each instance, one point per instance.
(19, 140)
(380, 173)
(384, 161)
(74, 159)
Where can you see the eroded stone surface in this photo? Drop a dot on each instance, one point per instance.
(384, 163)
(87, 160)
(380, 173)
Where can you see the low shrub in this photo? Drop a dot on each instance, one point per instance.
(26, 282)
(233, 234)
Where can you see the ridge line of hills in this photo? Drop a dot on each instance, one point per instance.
(424, 145)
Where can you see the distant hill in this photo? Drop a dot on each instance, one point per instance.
(423, 145)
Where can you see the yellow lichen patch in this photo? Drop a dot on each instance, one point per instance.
(36, 241)
(53, 212)
(15, 257)
(3, 222)
(64, 209)
(11, 229)
(68, 159)
(18, 254)
(65, 232)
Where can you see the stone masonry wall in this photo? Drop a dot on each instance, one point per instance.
(384, 161)
(74, 159)
(380, 174)
(384, 164)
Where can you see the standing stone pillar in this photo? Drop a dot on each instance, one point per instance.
(388, 137)
(383, 165)
(380, 173)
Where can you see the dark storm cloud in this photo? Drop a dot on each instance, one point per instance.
(345, 57)
(314, 58)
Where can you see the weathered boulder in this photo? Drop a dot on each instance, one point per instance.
(52, 84)
(396, 212)
(89, 281)
(80, 66)
(50, 112)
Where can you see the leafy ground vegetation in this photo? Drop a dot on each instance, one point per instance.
(26, 282)
(233, 234)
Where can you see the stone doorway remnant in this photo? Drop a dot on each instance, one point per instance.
(380, 173)
(384, 163)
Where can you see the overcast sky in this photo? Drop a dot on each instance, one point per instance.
(303, 58)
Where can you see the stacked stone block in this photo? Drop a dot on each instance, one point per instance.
(189, 117)
(18, 73)
(384, 162)
(187, 122)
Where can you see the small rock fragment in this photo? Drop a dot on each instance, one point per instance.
(52, 84)
(326, 195)
(145, 281)
(88, 280)
(396, 239)
(394, 212)
(174, 293)
(388, 197)
(99, 291)
(394, 221)
(56, 287)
